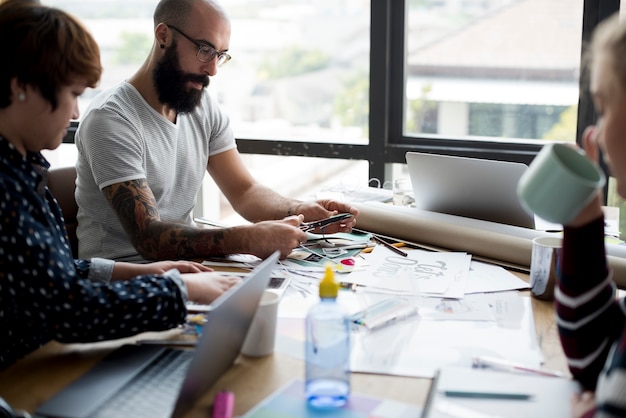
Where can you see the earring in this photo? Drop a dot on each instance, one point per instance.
(162, 46)
(21, 96)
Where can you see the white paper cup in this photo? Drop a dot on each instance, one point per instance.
(544, 262)
(262, 333)
(559, 183)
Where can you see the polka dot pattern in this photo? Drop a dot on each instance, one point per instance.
(44, 292)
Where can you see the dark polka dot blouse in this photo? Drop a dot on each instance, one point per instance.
(45, 294)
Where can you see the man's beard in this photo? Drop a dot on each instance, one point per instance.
(170, 83)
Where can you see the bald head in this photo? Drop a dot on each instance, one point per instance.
(176, 12)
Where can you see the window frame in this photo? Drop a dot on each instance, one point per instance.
(387, 143)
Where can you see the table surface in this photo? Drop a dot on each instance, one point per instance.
(37, 377)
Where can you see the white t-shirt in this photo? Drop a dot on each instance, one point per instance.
(122, 138)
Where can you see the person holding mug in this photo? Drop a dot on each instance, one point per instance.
(45, 294)
(591, 321)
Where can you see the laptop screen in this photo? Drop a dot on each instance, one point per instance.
(470, 187)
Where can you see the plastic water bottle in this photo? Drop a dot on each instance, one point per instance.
(327, 349)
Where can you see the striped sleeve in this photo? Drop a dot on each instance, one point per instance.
(588, 317)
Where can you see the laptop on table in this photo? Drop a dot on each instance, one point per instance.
(470, 187)
(176, 379)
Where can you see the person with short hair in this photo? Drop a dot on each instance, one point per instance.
(591, 320)
(46, 294)
(145, 145)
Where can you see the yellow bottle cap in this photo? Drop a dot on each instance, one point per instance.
(328, 286)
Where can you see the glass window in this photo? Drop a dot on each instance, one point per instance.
(495, 69)
(299, 72)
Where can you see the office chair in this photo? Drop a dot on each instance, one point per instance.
(62, 183)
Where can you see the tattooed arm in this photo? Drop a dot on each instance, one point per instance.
(154, 239)
(256, 202)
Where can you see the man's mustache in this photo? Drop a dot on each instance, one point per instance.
(202, 79)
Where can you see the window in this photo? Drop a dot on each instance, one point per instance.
(349, 86)
(500, 69)
(300, 72)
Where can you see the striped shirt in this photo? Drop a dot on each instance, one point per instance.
(121, 138)
(591, 321)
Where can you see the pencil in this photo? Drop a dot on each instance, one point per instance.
(486, 395)
(395, 244)
(391, 247)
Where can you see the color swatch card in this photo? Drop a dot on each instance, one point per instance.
(290, 402)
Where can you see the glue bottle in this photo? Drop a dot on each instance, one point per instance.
(327, 351)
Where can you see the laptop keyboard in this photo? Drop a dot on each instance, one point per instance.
(153, 392)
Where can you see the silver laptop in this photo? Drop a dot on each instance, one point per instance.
(469, 187)
(161, 381)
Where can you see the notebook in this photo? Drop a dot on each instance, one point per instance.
(470, 187)
(480, 393)
(131, 369)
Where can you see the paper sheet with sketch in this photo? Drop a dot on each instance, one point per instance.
(420, 272)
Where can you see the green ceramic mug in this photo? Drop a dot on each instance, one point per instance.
(559, 183)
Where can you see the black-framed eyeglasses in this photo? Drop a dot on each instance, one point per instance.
(205, 52)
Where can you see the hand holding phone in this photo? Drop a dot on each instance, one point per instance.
(308, 226)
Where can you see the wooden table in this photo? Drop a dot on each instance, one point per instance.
(37, 377)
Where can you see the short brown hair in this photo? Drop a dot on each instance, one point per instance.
(46, 48)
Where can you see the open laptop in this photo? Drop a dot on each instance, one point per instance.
(469, 187)
(131, 369)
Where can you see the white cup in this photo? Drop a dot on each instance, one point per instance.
(402, 192)
(544, 262)
(262, 333)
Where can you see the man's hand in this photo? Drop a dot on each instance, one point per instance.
(263, 238)
(325, 208)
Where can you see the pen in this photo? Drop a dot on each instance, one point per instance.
(486, 395)
(375, 309)
(391, 247)
(507, 366)
(391, 319)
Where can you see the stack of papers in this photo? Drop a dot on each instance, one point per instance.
(441, 309)
(436, 274)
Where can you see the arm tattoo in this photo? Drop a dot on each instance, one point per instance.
(137, 210)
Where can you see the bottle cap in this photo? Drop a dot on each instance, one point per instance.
(328, 286)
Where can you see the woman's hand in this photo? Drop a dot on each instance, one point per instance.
(593, 210)
(583, 404)
(125, 271)
(204, 288)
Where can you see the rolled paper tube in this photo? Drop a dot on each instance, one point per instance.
(506, 245)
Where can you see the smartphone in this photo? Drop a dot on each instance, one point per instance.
(307, 226)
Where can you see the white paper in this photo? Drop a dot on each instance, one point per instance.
(418, 347)
(485, 277)
(420, 272)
